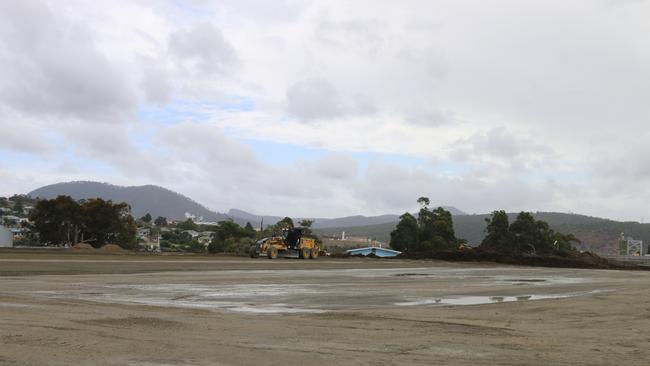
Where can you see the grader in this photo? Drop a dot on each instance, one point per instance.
(291, 244)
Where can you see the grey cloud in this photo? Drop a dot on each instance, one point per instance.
(207, 144)
(498, 142)
(390, 188)
(19, 134)
(334, 166)
(499, 148)
(51, 67)
(273, 11)
(201, 153)
(318, 99)
(354, 35)
(204, 49)
(427, 115)
(113, 145)
(314, 99)
(156, 83)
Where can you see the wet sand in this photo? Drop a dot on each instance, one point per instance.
(66, 308)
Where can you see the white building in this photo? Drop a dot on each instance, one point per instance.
(192, 233)
(630, 247)
(6, 238)
(143, 233)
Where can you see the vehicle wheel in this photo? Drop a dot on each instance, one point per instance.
(313, 253)
(272, 253)
(253, 253)
(303, 253)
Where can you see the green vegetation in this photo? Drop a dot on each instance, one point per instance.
(406, 234)
(525, 241)
(63, 220)
(146, 218)
(160, 221)
(187, 225)
(432, 231)
(524, 235)
(229, 237)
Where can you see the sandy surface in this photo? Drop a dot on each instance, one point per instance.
(63, 309)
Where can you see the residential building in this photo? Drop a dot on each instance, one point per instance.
(143, 233)
(192, 233)
(631, 247)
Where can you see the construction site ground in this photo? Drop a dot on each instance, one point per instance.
(66, 308)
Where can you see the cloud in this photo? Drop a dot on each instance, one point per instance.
(313, 99)
(203, 50)
(156, 82)
(333, 166)
(52, 67)
(355, 35)
(20, 134)
(391, 188)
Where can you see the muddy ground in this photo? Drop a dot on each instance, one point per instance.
(65, 308)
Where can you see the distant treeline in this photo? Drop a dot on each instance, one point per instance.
(433, 231)
(595, 234)
(63, 220)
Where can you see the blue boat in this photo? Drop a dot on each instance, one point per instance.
(379, 252)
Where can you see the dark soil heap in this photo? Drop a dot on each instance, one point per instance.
(559, 260)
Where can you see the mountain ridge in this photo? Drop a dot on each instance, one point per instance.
(323, 223)
(156, 200)
(160, 201)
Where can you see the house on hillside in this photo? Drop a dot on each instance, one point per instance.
(205, 237)
(143, 233)
(18, 232)
(192, 233)
(14, 220)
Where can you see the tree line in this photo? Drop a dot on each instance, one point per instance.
(433, 231)
(62, 220)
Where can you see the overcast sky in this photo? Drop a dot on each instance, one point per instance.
(337, 107)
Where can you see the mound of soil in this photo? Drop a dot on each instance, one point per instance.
(112, 248)
(560, 260)
(82, 246)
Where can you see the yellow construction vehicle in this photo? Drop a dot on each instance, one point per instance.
(291, 244)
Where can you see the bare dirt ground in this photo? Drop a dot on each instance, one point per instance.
(101, 309)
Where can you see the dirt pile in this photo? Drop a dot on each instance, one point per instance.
(560, 260)
(112, 248)
(82, 246)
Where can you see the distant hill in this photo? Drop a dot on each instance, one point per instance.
(157, 201)
(324, 223)
(597, 234)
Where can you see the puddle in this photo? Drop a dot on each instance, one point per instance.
(525, 280)
(16, 305)
(484, 279)
(413, 275)
(481, 300)
(245, 298)
(221, 291)
(198, 303)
